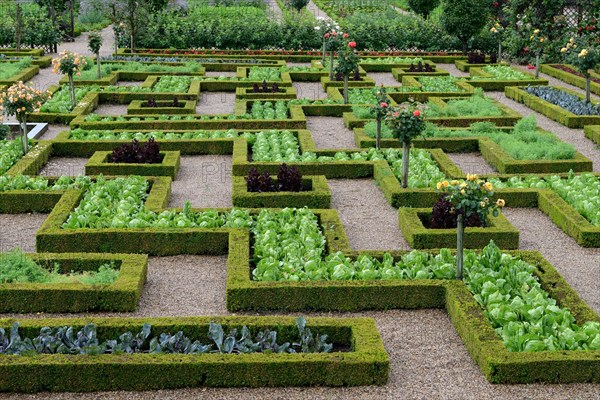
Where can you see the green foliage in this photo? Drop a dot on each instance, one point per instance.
(405, 123)
(569, 102)
(94, 135)
(94, 42)
(298, 4)
(64, 340)
(520, 310)
(17, 267)
(465, 18)
(440, 84)
(423, 7)
(502, 73)
(39, 183)
(60, 103)
(476, 106)
(10, 152)
(582, 192)
(9, 70)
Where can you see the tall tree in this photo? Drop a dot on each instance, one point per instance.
(465, 18)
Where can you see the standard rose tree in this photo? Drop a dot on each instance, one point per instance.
(18, 100)
(94, 45)
(379, 110)
(406, 123)
(584, 54)
(538, 42)
(347, 63)
(69, 64)
(469, 199)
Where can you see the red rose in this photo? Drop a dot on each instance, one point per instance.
(352, 44)
(530, 66)
(526, 49)
(383, 104)
(333, 33)
(417, 113)
(345, 35)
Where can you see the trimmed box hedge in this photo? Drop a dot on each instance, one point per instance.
(496, 363)
(500, 84)
(100, 163)
(121, 296)
(247, 93)
(412, 222)
(464, 66)
(365, 82)
(550, 110)
(411, 81)
(316, 194)
(140, 107)
(23, 75)
(592, 132)
(30, 164)
(366, 363)
(570, 78)
(398, 73)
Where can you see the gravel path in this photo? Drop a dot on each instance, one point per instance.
(203, 180)
(471, 163)
(273, 10)
(216, 103)
(330, 133)
(53, 130)
(309, 90)
(451, 68)
(578, 265)
(383, 78)
(573, 136)
(69, 166)
(219, 73)
(111, 109)
(316, 11)
(18, 230)
(370, 222)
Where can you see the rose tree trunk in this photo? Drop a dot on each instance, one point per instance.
(405, 161)
(346, 76)
(460, 232)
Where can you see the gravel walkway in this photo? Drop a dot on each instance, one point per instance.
(316, 11)
(69, 166)
(451, 68)
(18, 230)
(471, 163)
(220, 73)
(330, 133)
(53, 130)
(383, 78)
(370, 222)
(309, 90)
(578, 265)
(273, 10)
(216, 103)
(111, 109)
(573, 136)
(203, 180)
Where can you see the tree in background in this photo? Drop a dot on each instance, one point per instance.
(298, 5)
(584, 54)
(423, 7)
(465, 18)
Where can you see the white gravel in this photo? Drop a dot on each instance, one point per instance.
(216, 103)
(69, 166)
(330, 133)
(471, 163)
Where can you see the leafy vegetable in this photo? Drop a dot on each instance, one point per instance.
(569, 102)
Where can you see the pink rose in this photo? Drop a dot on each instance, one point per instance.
(327, 35)
(417, 113)
(352, 44)
(345, 36)
(383, 104)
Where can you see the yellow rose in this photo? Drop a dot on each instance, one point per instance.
(541, 40)
(462, 191)
(500, 203)
(482, 204)
(536, 31)
(439, 185)
(583, 53)
(454, 182)
(563, 50)
(488, 186)
(471, 177)
(445, 183)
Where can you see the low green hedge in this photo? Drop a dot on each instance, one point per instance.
(592, 132)
(407, 81)
(366, 363)
(23, 76)
(246, 93)
(120, 296)
(32, 162)
(316, 194)
(464, 66)
(570, 78)
(550, 110)
(496, 363)
(127, 76)
(365, 82)
(12, 52)
(412, 224)
(388, 67)
(398, 73)
(139, 107)
(99, 164)
(500, 84)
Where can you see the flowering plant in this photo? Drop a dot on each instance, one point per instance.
(584, 54)
(69, 64)
(18, 100)
(406, 123)
(470, 198)
(347, 63)
(380, 110)
(327, 28)
(538, 41)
